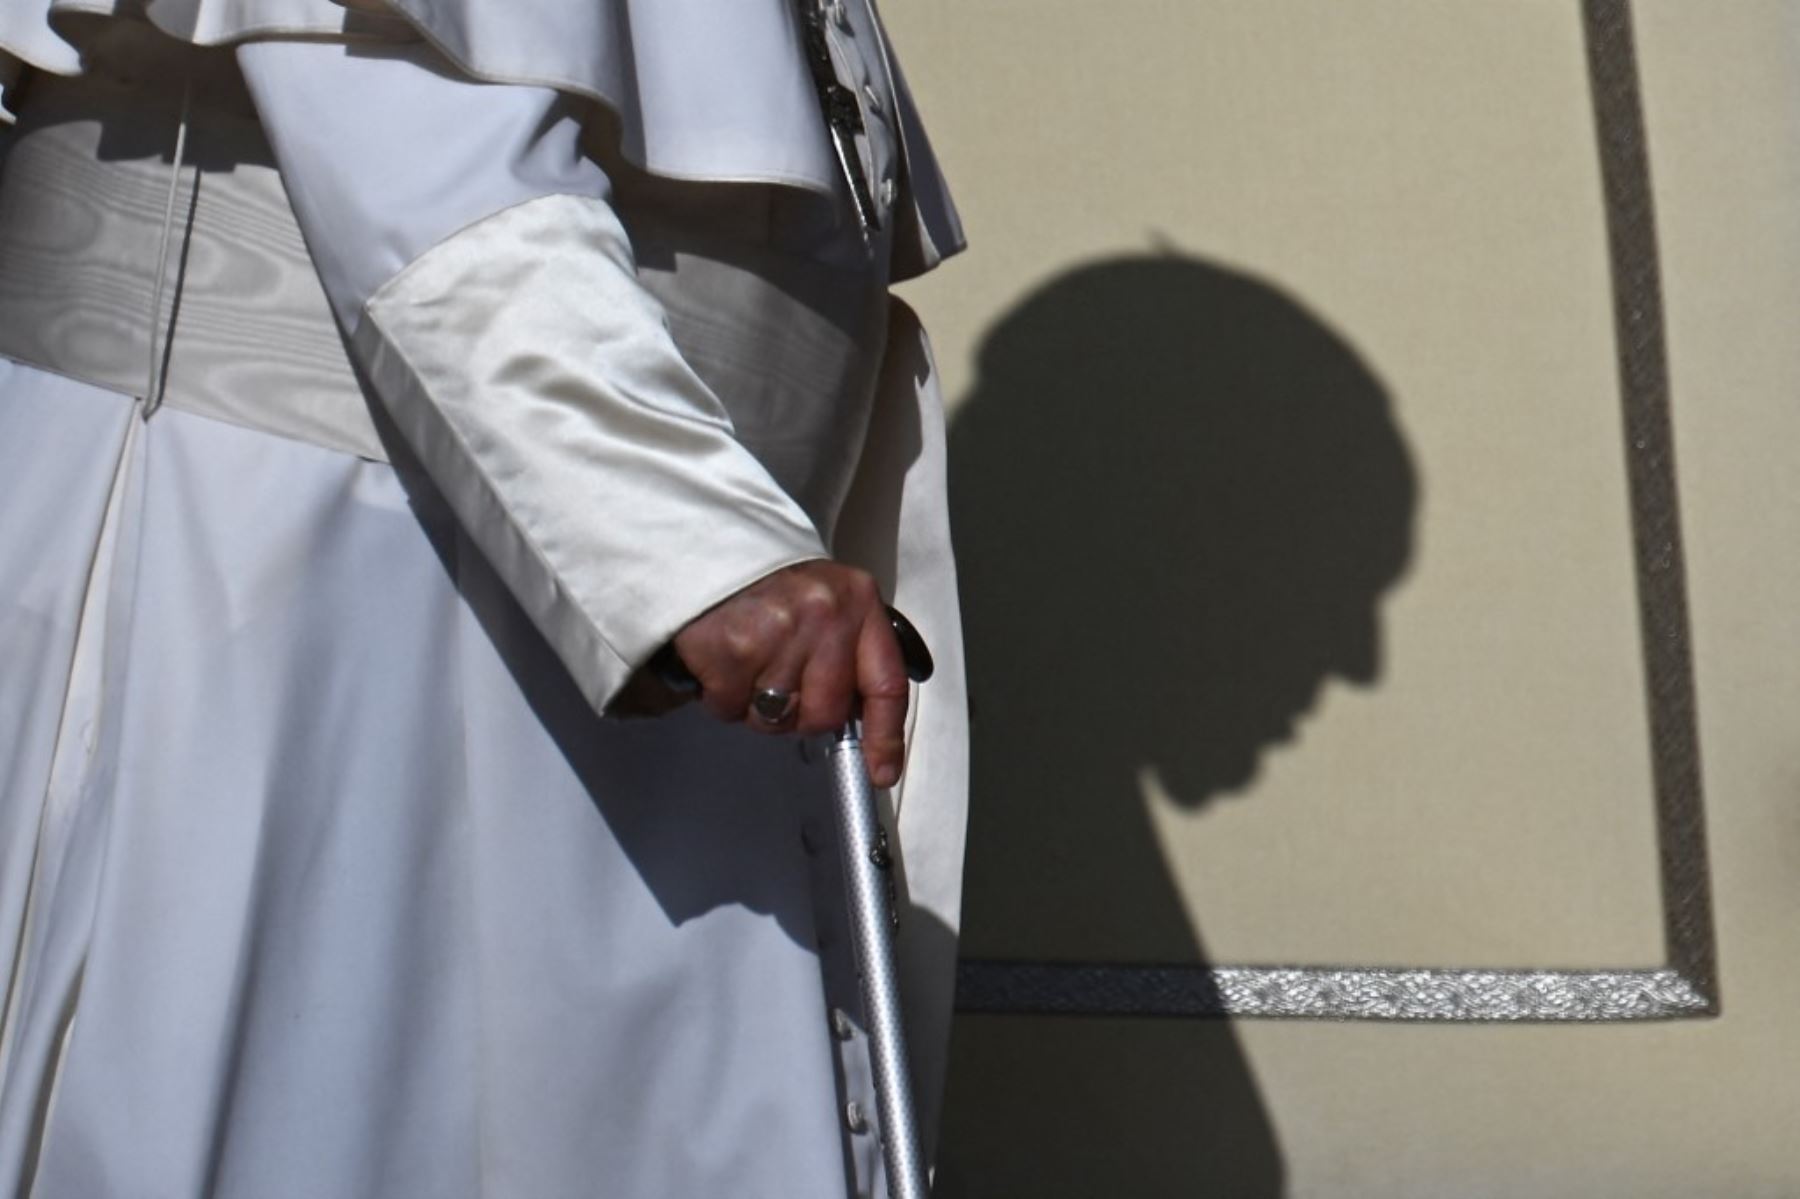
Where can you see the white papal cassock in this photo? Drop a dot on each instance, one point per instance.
(492, 343)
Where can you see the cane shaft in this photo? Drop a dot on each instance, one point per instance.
(867, 880)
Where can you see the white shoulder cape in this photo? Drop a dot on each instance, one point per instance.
(691, 89)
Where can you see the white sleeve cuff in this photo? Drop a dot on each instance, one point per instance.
(536, 379)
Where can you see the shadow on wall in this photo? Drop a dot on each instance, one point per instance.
(1178, 500)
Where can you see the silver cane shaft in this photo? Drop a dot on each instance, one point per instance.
(867, 881)
(872, 915)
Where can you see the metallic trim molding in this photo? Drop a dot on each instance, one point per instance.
(1687, 985)
(1655, 514)
(1329, 993)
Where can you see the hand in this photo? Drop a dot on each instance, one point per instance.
(819, 630)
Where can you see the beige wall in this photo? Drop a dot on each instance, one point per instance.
(1292, 495)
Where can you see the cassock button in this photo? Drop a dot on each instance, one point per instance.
(854, 1119)
(841, 1028)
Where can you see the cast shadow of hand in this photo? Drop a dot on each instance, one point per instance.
(1178, 500)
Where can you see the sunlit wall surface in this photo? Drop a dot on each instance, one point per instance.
(1338, 603)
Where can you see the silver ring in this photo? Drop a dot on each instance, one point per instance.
(774, 705)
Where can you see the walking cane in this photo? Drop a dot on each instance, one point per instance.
(874, 916)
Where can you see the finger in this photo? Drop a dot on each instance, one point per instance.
(725, 689)
(728, 652)
(828, 688)
(883, 689)
(785, 673)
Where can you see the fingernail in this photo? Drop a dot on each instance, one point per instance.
(885, 775)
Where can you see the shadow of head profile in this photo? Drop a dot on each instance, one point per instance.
(1178, 499)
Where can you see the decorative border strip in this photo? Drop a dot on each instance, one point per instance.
(1314, 992)
(1687, 986)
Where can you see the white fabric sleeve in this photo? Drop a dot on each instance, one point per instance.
(489, 294)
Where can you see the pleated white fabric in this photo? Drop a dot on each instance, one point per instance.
(330, 882)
